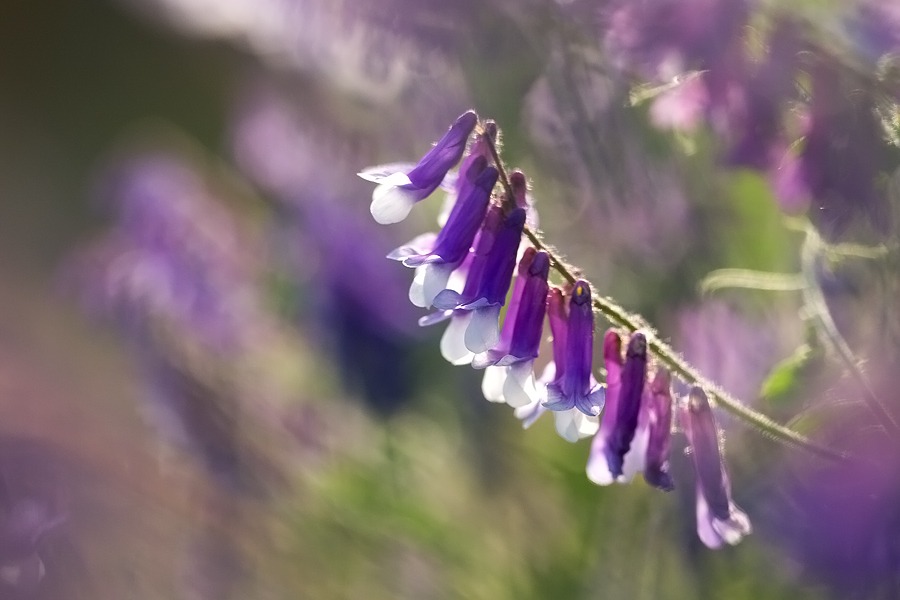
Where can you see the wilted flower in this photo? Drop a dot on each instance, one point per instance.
(400, 187)
(574, 385)
(719, 520)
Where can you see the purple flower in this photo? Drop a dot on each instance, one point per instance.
(842, 157)
(399, 188)
(630, 442)
(487, 280)
(657, 407)
(571, 424)
(719, 520)
(840, 519)
(599, 469)
(439, 257)
(510, 363)
(647, 34)
(574, 384)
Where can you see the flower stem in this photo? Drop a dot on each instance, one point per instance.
(618, 316)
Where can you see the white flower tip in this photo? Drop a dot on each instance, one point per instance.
(598, 470)
(391, 204)
(483, 333)
(735, 528)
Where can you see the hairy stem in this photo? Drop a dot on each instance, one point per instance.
(620, 317)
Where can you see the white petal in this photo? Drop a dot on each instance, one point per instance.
(597, 466)
(565, 425)
(705, 530)
(421, 244)
(453, 347)
(457, 281)
(390, 203)
(483, 332)
(435, 280)
(735, 528)
(635, 459)
(417, 288)
(519, 389)
(586, 425)
(529, 413)
(381, 172)
(492, 384)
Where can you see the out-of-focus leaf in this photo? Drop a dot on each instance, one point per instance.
(754, 280)
(788, 375)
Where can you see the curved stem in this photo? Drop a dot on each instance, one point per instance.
(617, 315)
(813, 248)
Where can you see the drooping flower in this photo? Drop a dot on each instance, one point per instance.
(571, 424)
(657, 407)
(510, 364)
(574, 385)
(719, 520)
(487, 280)
(437, 257)
(400, 187)
(647, 448)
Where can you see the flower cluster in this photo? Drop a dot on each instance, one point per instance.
(465, 272)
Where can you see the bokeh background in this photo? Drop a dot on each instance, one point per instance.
(212, 384)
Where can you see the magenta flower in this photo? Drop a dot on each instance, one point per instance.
(400, 187)
(719, 520)
(574, 385)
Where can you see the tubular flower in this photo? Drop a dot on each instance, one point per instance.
(437, 257)
(400, 187)
(574, 385)
(509, 375)
(487, 280)
(719, 520)
(616, 454)
(571, 424)
(657, 407)
(602, 468)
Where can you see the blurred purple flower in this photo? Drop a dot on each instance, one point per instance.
(875, 28)
(843, 154)
(839, 520)
(400, 188)
(651, 35)
(732, 351)
(719, 520)
(174, 255)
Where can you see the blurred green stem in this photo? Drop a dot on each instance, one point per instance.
(814, 249)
